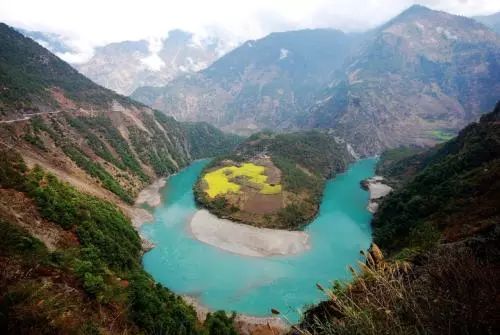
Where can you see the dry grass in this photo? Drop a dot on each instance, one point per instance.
(451, 292)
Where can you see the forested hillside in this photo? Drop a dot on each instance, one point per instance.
(453, 191)
(87, 133)
(294, 167)
(77, 269)
(440, 228)
(73, 158)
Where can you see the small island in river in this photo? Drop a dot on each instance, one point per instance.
(272, 180)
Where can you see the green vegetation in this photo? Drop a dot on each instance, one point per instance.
(27, 71)
(440, 228)
(109, 248)
(305, 160)
(159, 149)
(96, 170)
(316, 151)
(207, 141)
(453, 189)
(442, 135)
(219, 323)
(15, 241)
(94, 142)
(104, 126)
(93, 168)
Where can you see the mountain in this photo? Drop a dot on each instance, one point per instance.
(127, 65)
(452, 190)
(53, 42)
(492, 21)
(417, 79)
(262, 83)
(440, 230)
(74, 155)
(59, 119)
(421, 76)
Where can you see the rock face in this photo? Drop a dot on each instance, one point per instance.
(422, 75)
(416, 79)
(125, 66)
(378, 190)
(263, 83)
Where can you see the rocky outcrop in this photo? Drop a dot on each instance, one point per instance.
(263, 83)
(125, 66)
(378, 190)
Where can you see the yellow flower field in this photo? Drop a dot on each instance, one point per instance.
(221, 181)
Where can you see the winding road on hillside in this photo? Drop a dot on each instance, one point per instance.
(29, 116)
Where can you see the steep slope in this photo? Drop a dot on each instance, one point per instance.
(55, 43)
(441, 229)
(70, 256)
(71, 264)
(492, 21)
(272, 180)
(262, 83)
(125, 66)
(417, 79)
(107, 143)
(454, 192)
(422, 75)
(33, 79)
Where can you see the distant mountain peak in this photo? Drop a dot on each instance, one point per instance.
(417, 9)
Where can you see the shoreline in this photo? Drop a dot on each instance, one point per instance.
(377, 190)
(151, 195)
(246, 240)
(245, 324)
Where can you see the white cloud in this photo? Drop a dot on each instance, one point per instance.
(284, 53)
(153, 61)
(92, 23)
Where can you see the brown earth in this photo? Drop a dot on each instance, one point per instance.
(17, 208)
(263, 203)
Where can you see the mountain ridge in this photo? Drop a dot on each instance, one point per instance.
(123, 66)
(422, 74)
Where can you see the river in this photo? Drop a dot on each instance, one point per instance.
(249, 285)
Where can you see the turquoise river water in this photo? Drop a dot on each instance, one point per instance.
(248, 285)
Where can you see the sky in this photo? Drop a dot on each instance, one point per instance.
(90, 23)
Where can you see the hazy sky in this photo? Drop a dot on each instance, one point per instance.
(90, 23)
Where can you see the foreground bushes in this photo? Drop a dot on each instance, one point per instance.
(106, 262)
(454, 292)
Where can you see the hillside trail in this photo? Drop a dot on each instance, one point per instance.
(29, 116)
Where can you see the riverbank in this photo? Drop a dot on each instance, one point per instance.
(244, 239)
(244, 324)
(377, 189)
(251, 286)
(151, 195)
